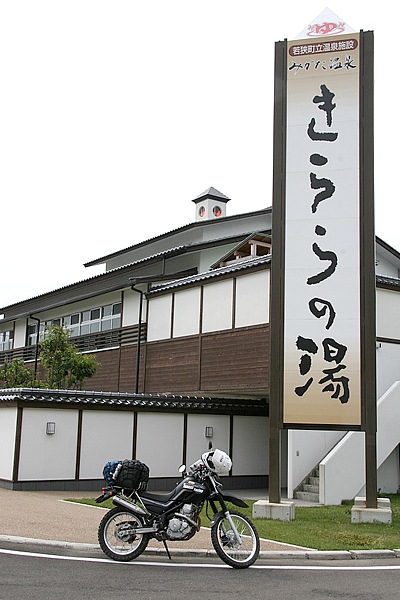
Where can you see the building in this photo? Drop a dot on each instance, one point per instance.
(199, 296)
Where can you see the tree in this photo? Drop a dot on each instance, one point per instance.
(66, 367)
(15, 374)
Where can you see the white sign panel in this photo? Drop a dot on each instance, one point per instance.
(322, 245)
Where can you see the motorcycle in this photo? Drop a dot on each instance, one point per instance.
(139, 516)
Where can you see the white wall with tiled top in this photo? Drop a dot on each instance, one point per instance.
(48, 457)
(8, 421)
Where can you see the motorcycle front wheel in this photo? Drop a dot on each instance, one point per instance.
(117, 536)
(238, 555)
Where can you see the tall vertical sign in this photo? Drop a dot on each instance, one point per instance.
(323, 277)
(322, 255)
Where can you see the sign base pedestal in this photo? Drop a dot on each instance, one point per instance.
(361, 514)
(282, 511)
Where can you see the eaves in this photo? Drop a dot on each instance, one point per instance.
(39, 398)
(221, 273)
(389, 283)
(116, 279)
(195, 225)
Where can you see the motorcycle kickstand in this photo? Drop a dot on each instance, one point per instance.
(166, 548)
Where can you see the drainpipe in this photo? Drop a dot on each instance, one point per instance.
(37, 341)
(141, 294)
(149, 279)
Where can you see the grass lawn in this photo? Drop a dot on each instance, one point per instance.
(330, 528)
(323, 528)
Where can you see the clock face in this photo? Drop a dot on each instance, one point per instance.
(217, 211)
(202, 211)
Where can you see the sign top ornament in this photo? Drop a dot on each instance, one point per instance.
(327, 23)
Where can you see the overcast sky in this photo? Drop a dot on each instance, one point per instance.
(116, 114)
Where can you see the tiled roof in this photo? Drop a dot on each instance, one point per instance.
(140, 402)
(166, 253)
(241, 265)
(385, 281)
(193, 225)
(211, 192)
(170, 252)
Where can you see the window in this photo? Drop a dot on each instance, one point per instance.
(72, 323)
(111, 316)
(217, 211)
(32, 334)
(90, 321)
(102, 318)
(6, 340)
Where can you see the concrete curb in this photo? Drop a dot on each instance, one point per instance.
(206, 553)
(14, 539)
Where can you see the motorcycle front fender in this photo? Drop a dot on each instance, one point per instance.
(234, 500)
(216, 517)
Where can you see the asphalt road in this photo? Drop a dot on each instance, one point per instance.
(35, 575)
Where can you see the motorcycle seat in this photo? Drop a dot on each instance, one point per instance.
(158, 497)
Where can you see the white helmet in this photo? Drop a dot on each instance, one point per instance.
(217, 461)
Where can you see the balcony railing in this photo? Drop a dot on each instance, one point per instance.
(114, 338)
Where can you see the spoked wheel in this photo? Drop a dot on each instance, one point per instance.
(238, 555)
(117, 536)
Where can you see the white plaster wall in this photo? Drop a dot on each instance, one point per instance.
(106, 436)
(20, 333)
(384, 267)
(342, 472)
(197, 443)
(212, 255)
(252, 299)
(187, 312)
(388, 314)
(159, 318)
(284, 458)
(388, 474)
(305, 450)
(250, 454)
(160, 443)
(217, 306)
(8, 421)
(130, 310)
(45, 456)
(388, 366)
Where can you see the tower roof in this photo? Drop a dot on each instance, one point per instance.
(211, 192)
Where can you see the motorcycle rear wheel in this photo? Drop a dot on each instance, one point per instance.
(235, 554)
(116, 538)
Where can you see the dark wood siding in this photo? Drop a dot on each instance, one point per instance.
(117, 371)
(106, 378)
(229, 362)
(173, 365)
(236, 361)
(127, 379)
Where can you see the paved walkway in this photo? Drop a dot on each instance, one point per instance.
(48, 516)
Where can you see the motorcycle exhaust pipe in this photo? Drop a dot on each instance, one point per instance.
(131, 506)
(190, 521)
